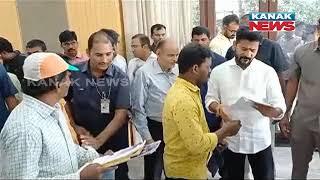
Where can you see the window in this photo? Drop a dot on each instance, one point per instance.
(238, 7)
(195, 13)
(306, 17)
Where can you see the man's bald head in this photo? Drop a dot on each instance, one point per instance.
(171, 43)
(167, 51)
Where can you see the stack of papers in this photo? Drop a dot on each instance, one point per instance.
(149, 148)
(245, 107)
(125, 155)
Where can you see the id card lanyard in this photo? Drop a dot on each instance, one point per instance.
(104, 101)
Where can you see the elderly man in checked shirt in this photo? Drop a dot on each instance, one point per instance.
(35, 141)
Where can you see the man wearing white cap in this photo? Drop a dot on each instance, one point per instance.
(35, 141)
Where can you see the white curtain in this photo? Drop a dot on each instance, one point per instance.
(140, 15)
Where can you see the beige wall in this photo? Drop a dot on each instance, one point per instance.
(10, 27)
(42, 19)
(86, 17)
(45, 19)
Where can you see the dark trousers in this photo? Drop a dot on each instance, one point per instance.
(153, 163)
(215, 162)
(261, 163)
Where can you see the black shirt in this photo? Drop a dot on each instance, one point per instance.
(153, 47)
(14, 65)
(85, 99)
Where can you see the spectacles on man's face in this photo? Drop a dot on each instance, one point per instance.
(69, 43)
(232, 31)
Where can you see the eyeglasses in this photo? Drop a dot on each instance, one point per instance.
(232, 31)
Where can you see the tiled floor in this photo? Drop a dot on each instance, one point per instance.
(282, 157)
(283, 164)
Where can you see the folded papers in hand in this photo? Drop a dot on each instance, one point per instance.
(126, 154)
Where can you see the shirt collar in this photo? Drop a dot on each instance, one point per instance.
(262, 40)
(78, 56)
(158, 69)
(85, 68)
(187, 84)
(234, 64)
(152, 55)
(223, 37)
(42, 108)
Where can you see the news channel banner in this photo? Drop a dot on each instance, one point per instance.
(272, 21)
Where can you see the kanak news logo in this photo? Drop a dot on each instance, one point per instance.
(272, 21)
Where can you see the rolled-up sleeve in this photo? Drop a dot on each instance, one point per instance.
(213, 91)
(187, 117)
(139, 98)
(295, 70)
(21, 151)
(274, 93)
(85, 155)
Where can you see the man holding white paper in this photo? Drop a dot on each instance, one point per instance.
(35, 142)
(245, 76)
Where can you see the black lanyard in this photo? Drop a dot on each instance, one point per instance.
(102, 94)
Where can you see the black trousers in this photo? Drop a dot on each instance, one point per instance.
(153, 163)
(261, 163)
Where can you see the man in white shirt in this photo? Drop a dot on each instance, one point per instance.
(224, 40)
(142, 52)
(245, 76)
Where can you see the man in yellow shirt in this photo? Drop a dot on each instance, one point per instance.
(188, 142)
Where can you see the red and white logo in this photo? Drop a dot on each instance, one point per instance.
(273, 21)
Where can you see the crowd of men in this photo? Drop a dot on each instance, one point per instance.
(59, 111)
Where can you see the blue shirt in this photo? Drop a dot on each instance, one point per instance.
(150, 87)
(85, 96)
(6, 89)
(212, 120)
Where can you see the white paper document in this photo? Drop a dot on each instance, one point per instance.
(244, 108)
(149, 148)
(125, 155)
